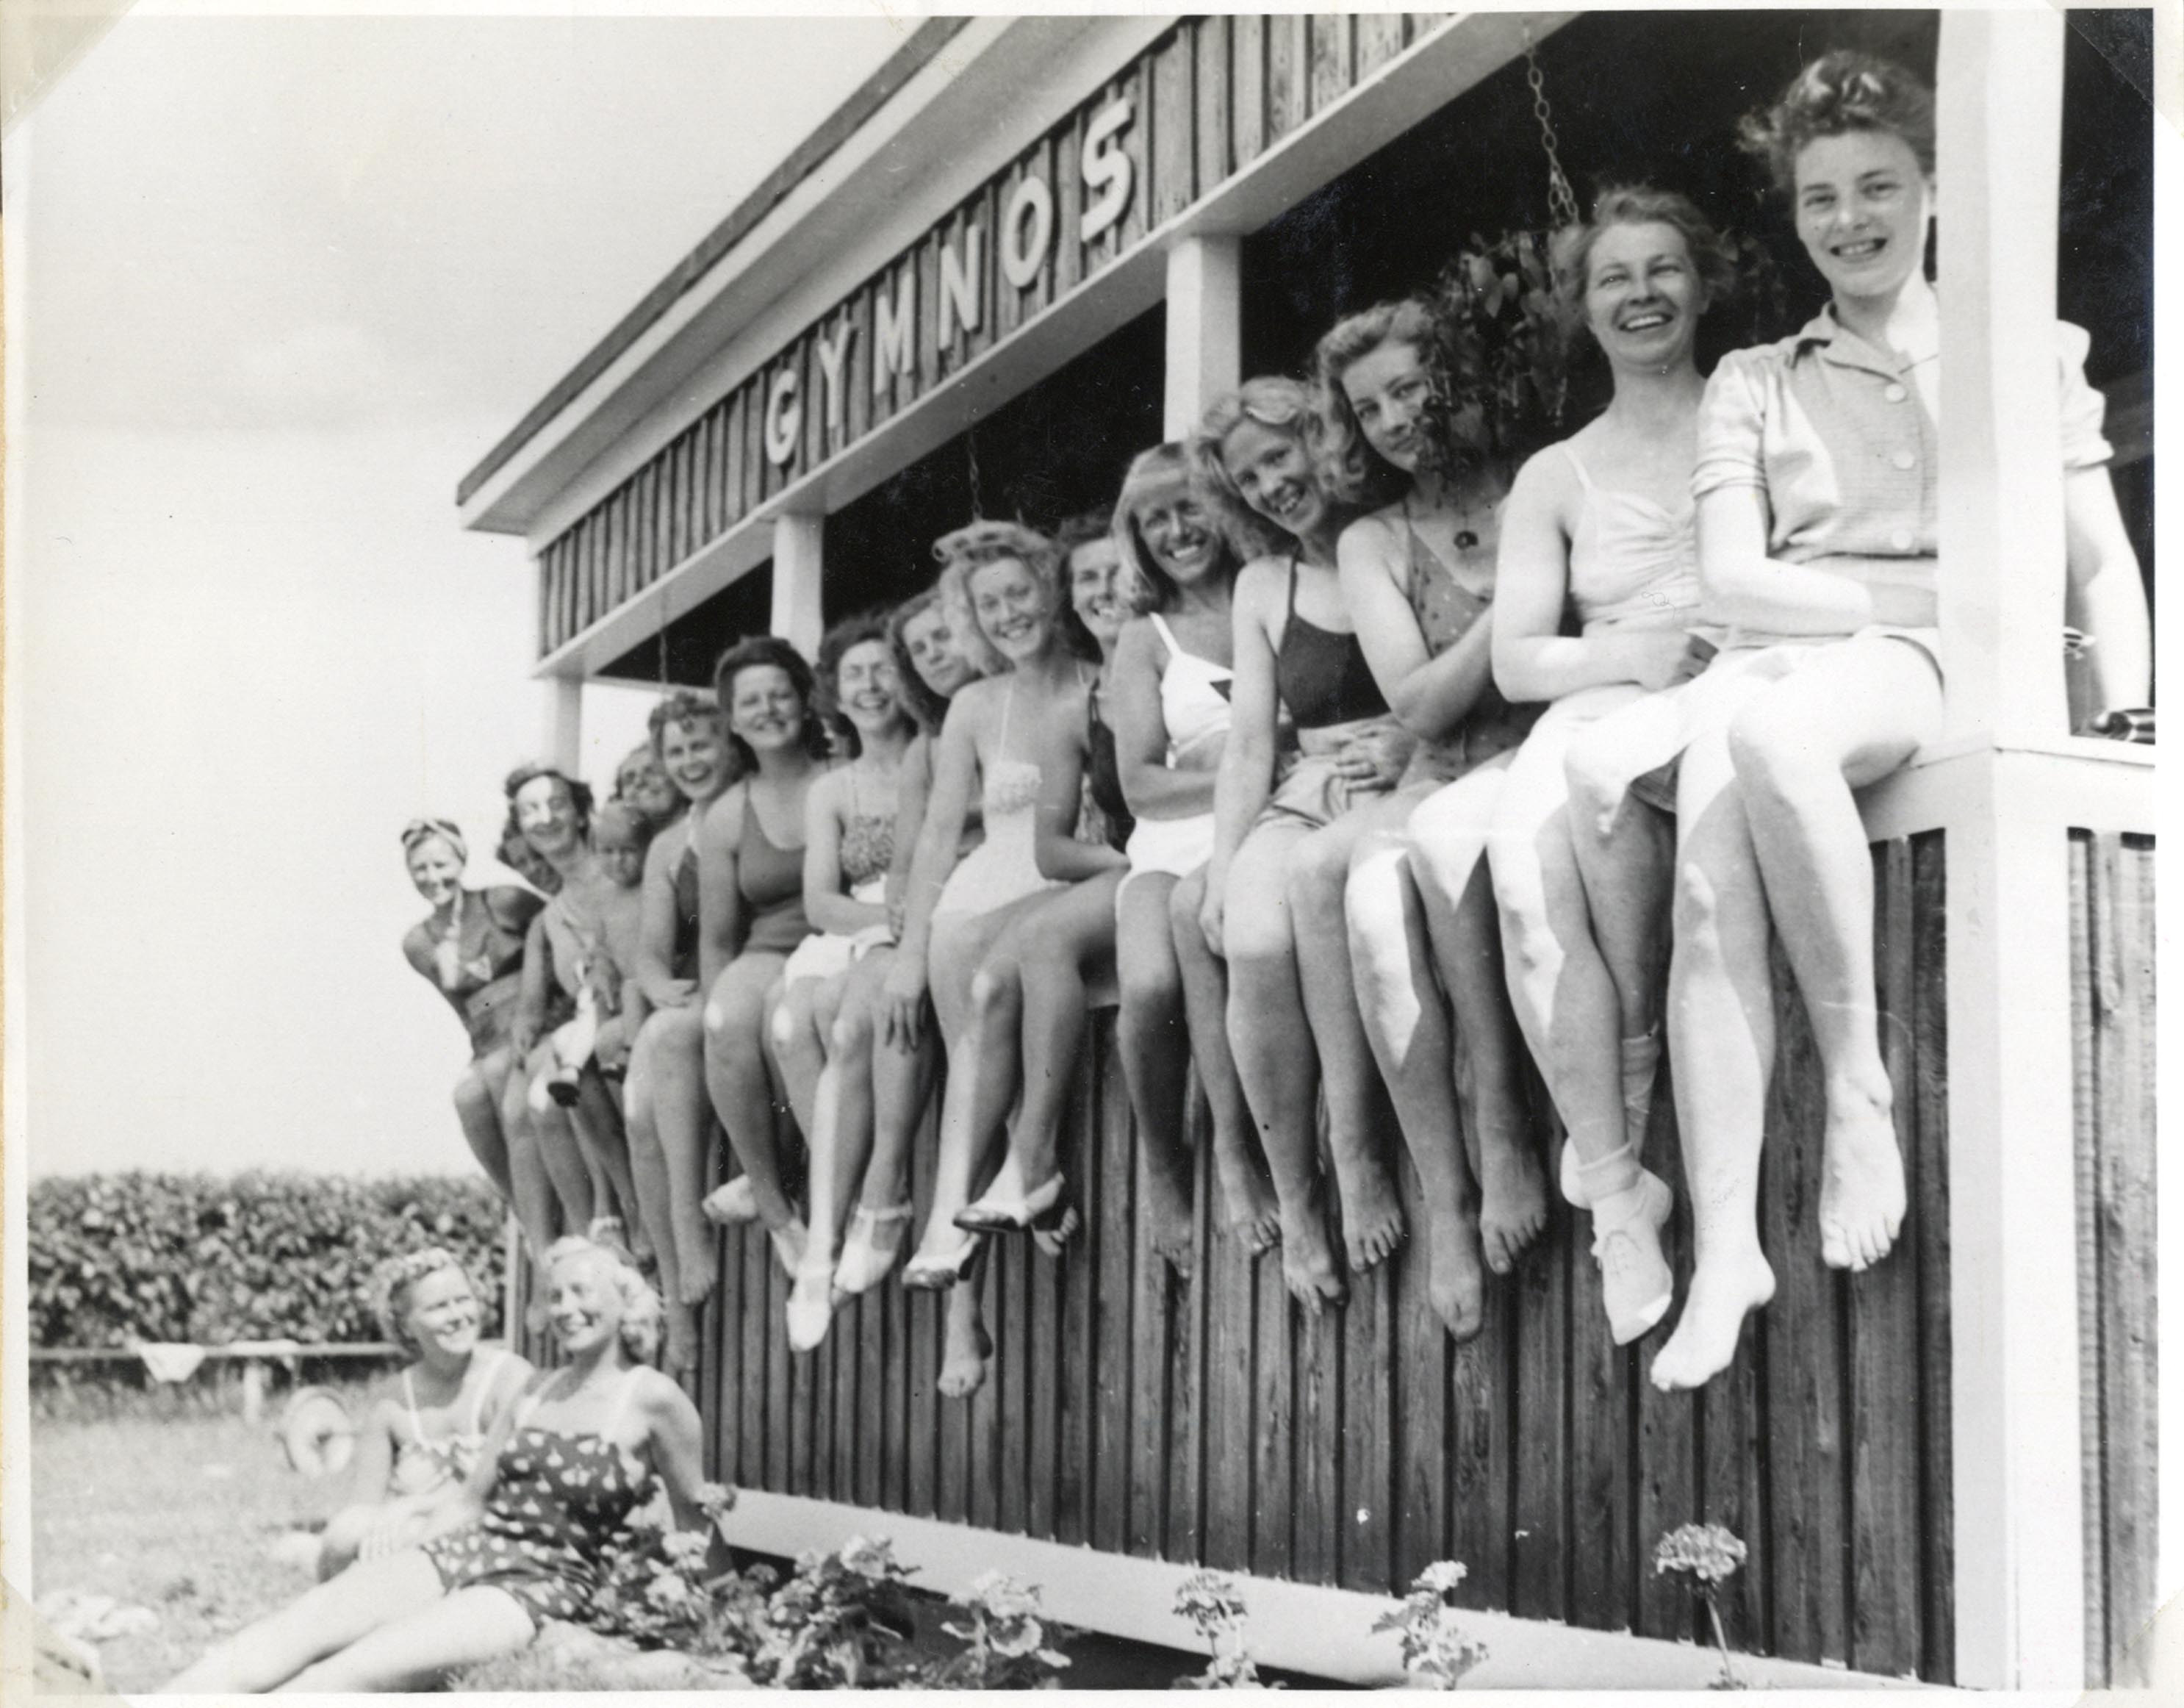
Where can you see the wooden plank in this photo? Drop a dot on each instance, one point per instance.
(675, 471)
(814, 439)
(806, 1381)
(1732, 1478)
(1079, 1350)
(894, 1387)
(1667, 1488)
(1481, 1416)
(927, 259)
(788, 1423)
(732, 454)
(857, 365)
(1174, 122)
(1538, 1588)
(2123, 1016)
(1379, 39)
(1366, 1556)
(618, 587)
(725, 1421)
(1211, 102)
(1126, 232)
(873, 1420)
(1804, 1354)
(1251, 1413)
(1247, 84)
(754, 443)
(1288, 73)
(1182, 1537)
(982, 1467)
(1069, 265)
(1930, 1203)
(1113, 1259)
(1420, 1430)
(746, 1272)
(663, 494)
(1317, 1550)
(1604, 1539)
(1328, 42)
(1011, 302)
(1882, 1327)
(1042, 1399)
(1012, 1378)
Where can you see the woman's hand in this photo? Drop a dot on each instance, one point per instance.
(523, 1036)
(1667, 658)
(1212, 910)
(671, 993)
(1376, 755)
(902, 1002)
(388, 1535)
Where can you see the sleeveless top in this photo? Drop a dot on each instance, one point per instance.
(1446, 610)
(1110, 819)
(1193, 693)
(1633, 561)
(771, 881)
(422, 1463)
(1005, 866)
(1321, 676)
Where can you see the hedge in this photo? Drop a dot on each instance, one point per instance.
(116, 1257)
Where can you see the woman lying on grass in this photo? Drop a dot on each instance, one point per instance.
(527, 1536)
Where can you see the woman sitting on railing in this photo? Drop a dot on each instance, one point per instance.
(472, 949)
(641, 784)
(1293, 1016)
(751, 912)
(1169, 687)
(664, 1102)
(426, 1424)
(528, 1536)
(848, 845)
(1604, 522)
(1418, 577)
(1816, 480)
(1002, 586)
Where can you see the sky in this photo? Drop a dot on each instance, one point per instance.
(282, 281)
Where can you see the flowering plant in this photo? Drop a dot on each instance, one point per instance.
(841, 1622)
(1210, 1602)
(1709, 1555)
(1436, 1650)
(1006, 1641)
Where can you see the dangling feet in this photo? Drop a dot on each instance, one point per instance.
(1723, 1292)
(1308, 1267)
(679, 1350)
(1455, 1283)
(1512, 1198)
(937, 1271)
(1641, 1067)
(1371, 1213)
(969, 1347)
(1862, 1196)
(873, 1244)
(731, 1204)
(1253, 1213)
(1172, 1211)
(788, 1241)
(999, 1212)
(810, 1307)
(1637, 1285)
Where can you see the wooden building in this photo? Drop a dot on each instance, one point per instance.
(1027, 247)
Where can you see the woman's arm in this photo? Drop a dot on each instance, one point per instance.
(372, 1471)
(1247, 777)
(955, 770)
(1430, 695)
(2104, 574)
(674, 1441)
(719, 897)
(655, 943)
(1133, 700)
(1533, 658)
(536, 982)
(913, 784)
(1061, 755)
(826, 901)
(1740, 584)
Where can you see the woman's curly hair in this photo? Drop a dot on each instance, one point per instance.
(833, 647)
(1837, 93)
(394, 1282)
(973, 547)
(1145, 585)
(580, 797)
(1279, 405)
(1714, 257)
(641, 1311)
(681, 705)
(1356, 472)
(928, 708)
(753, 653)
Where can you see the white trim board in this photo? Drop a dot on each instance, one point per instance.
(1302, 1628)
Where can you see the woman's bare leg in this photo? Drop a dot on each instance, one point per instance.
(1318, 877)
(902, 1090)
(1052, 947)
(965, 1346)
(1276, 1059)
(672, 1046)
(796, 1038)
(1721, 1013)
(415, 1652)
(558, 1146)
(1853, 714)
(477, 1107)
(738, 1079)
(648, 1172)
(269, 1653)
(1155, 1053)
(601, 1135)
(1253, 1213)
(533, 1199)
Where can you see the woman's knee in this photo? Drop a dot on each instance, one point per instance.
(1317, 874)
(995, 988)
(1375, 904)
(474, 1100)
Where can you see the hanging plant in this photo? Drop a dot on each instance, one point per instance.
(1507, 357)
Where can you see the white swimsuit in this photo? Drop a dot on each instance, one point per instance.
(1004, 867)
(1195, 708)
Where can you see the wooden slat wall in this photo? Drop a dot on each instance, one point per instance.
(1209, 1420)
(1207, 98)
(2112, 1015)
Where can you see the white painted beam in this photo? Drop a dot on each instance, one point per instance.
(799, 564)
(1205, 328)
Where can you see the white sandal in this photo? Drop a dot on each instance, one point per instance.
(871, 1246)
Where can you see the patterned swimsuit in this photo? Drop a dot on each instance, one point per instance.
(559, 1503)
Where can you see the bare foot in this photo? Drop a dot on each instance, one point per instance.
(1053, 1240)
(1253, 1214)
(1861, 1190)
(1722, 1294)
(1307, 1260)
(1456, 1285)
(1372, 1215)
(1174, 1221)
(963, 1362)
(679, 1356)
(1513, 1200)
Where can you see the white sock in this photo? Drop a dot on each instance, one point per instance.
(1641, 1065)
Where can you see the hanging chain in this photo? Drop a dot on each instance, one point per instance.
(971, 456)
(1561, 200)
(663, 638)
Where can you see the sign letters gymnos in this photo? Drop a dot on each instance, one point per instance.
(1020, 245)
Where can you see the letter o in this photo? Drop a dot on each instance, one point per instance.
(1021, 261)
(784, 417)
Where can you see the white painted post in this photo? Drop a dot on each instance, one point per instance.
(2017, 1499)
(1205, 328)
(798, 568)
(2000, 121)
(565, 722)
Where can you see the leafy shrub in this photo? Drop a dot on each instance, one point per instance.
(1210, 1602)
(1437, 1651)
(116, 1257)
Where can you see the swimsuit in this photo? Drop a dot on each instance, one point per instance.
(1446, 611)
(1195, 710)
(771, 878)
(559, 1502)
(868, 850)
(1004, 867)
(1105, 815)
(684, 965)
(488, 962)
(422, 1464)
(1324, 681)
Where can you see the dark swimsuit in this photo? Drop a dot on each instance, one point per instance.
(684, 963)
(771, 881)
(560, 1502)
(1322, 677)
(1103, 780)
(489, 937)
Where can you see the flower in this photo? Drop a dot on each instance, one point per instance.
(715, 1498)
(1003, 1597)
(1016, 1636)
(686, 1547)
(1442, 1576)
(868, 1559)
(1709, 1552)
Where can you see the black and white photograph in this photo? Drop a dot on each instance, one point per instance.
(1089, 850)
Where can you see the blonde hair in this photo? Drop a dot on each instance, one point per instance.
(970, 548)
(641, 1309)
(1279, 405)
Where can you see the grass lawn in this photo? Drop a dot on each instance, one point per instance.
(177, 1513)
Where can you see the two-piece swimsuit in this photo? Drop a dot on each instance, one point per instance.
(1196, 712)
(1331, 697)
(868, 850)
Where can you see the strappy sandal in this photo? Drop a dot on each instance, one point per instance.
(1042, 1208)
(870, 1248)
(925, 1274)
